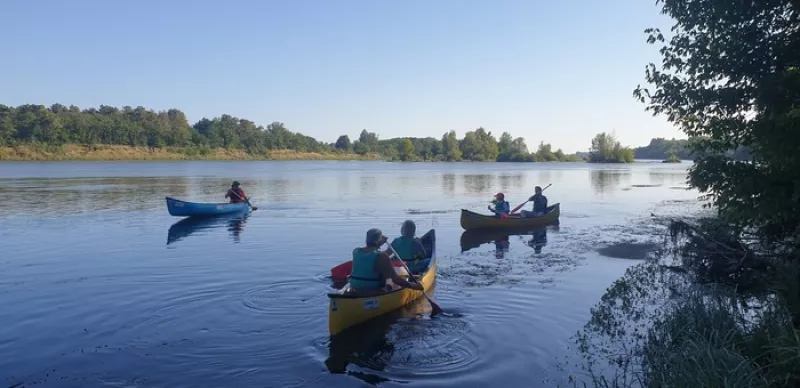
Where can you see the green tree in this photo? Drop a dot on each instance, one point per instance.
(343, 143)
(729, 77)
(406, 150)
(545, 153)
(450, 147)
(606, 149)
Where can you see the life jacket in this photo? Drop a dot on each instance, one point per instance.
(364, 275)
(502, 207)
(404, 246)
(234, 193)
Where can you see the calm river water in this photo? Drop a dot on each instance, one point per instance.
(98, 288)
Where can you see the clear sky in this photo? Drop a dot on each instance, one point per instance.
(557, 71)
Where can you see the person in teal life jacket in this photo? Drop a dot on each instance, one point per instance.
(410, 248)
(235, 193)
(371, 267)
(501, 206)
(539, 204)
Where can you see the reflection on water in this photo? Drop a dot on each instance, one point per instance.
(77, 195)
(478, 183)
(190, 225)
(471, 239)
(449, 184)
(606, 181)
(368, 345)
(539, 239)
(77, 279)
(514, 181)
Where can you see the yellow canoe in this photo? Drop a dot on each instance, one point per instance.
(471, 220)
(346, 309)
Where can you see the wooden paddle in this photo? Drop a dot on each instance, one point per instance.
(247, 200)
(523, 204)
(434, 306)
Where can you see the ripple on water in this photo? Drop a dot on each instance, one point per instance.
(289, 301)
(399, 348)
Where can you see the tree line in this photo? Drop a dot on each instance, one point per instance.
(478, 145)
(660, 148)
(140, 127)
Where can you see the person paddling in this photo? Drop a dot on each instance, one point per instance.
(502, 207)
(539, 204)
(235, 193)
(410, 248)
(371, 267)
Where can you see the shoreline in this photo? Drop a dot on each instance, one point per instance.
(119, 153)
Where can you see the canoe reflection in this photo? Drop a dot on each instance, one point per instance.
(471, 239)
(188, 226)
(367, 345)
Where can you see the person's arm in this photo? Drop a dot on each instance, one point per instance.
(419, 249)
(387, 270)
(228, 193)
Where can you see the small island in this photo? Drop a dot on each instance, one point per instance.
(673, 158)
(607, 149)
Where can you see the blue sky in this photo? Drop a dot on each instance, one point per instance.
(553, 71)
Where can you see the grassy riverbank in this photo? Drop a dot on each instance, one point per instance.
(127, 153)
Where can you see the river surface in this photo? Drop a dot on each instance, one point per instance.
(98, 288)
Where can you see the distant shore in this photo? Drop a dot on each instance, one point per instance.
(99, 153)
(126, 153)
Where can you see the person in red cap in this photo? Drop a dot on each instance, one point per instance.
(502, 207)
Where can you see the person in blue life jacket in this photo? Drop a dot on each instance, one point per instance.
(371, 267)
(410, 248)
(501, 206)
(539, 204)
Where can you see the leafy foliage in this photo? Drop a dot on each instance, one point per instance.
(729, 77)
(139, 127)
(606, 149)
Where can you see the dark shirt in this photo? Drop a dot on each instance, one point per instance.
(539, 202)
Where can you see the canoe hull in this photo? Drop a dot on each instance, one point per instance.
(349, 310)
(474, 221)
(179, 208)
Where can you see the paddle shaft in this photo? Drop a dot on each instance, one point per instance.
(523, 204)
(246, 200)
(434, 305)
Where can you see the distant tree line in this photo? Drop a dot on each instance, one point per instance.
(139, 127)
(478, 145)
(660, 148)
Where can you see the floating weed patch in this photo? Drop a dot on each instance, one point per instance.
(630, 250)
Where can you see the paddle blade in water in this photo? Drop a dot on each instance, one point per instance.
(435, 308)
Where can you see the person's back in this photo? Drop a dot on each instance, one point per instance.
(412, 252)
(410, 248)
(364, 275)
(371, 267)
(539, 203)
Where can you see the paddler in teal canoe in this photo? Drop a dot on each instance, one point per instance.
(410, 248)
(502, 207)
(371, 267)
(235, 193)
